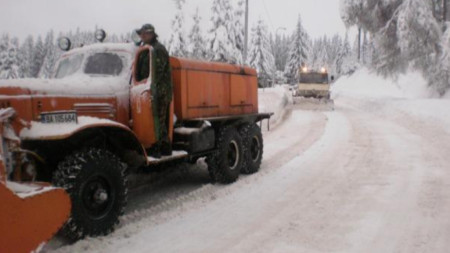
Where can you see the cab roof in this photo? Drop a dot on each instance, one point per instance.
(117, 47)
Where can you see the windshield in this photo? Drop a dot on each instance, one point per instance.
(104, 64)
(69, 66)
(314, 78)
(100, 63)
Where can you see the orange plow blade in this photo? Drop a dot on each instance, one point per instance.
(30, 219)
(30, 213)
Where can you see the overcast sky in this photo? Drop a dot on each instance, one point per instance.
(22, 17)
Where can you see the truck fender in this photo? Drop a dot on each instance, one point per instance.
(118, 135)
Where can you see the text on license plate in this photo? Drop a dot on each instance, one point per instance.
(59, 117)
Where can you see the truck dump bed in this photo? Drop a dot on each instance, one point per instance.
(205, 89)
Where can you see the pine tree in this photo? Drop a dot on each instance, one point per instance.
(50, 56)
(4, 46)
(197, 43)
(239, 17)
(38, 57)
(222, 39)
(260, 56)
(26, 53)
(8, 58)
(346, 62)
(280, 48)
(298, 53)
(177, 42)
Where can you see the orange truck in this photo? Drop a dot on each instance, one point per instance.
(88, 127)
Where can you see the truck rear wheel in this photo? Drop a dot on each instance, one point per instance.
(253, 148)
(94, 179)
(225, 165)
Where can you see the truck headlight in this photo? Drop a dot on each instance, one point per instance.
(64, 43)
(100, 35)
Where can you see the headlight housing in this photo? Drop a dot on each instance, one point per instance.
(64, 43)
(100, 35)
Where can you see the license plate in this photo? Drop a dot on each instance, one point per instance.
(59, 117)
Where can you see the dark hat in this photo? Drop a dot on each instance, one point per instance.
(146, 28)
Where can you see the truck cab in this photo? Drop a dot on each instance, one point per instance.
(315, 84)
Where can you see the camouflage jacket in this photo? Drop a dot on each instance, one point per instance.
(162, 73)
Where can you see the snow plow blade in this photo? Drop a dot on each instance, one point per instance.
(32, 217)
(314, 104)
(30, 213)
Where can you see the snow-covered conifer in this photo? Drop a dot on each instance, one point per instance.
(260, 55)
(177, 42)
(298, 53)
(196, 39)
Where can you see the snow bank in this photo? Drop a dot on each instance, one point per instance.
(364, 83)
(447, 95)
(408, 95)
(274, 100)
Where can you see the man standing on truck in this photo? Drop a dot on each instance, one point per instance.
(162, 89)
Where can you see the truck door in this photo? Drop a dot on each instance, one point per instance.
(143, 116)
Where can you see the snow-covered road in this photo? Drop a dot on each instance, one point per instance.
(371, 176)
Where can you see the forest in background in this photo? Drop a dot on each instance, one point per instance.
(272, 54)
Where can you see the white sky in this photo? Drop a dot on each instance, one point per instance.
(22, 17)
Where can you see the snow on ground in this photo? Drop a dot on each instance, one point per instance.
(371, 176)
(366, 84)
(409, 95)
(274, 100)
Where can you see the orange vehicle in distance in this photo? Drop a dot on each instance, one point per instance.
(88, 127)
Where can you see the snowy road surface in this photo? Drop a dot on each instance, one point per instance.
(371, 176)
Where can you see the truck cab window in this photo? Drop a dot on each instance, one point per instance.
(143, 66)
(69, 66)
(104, 64)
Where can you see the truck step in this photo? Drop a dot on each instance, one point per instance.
(176, 154)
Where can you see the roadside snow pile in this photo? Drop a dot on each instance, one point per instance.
(447, 95)
(366, 84)
(408, 96)
(274, 100)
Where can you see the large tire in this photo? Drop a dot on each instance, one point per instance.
(95, 180)
(225, 165)
(253, 148)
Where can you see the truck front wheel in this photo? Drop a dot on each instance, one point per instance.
(225, 165)
(94, 179)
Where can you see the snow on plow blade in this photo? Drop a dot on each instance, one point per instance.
(314, 104)
(30, 214)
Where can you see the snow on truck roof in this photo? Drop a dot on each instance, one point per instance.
(123, 47)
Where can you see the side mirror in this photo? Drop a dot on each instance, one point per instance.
(136, 38)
